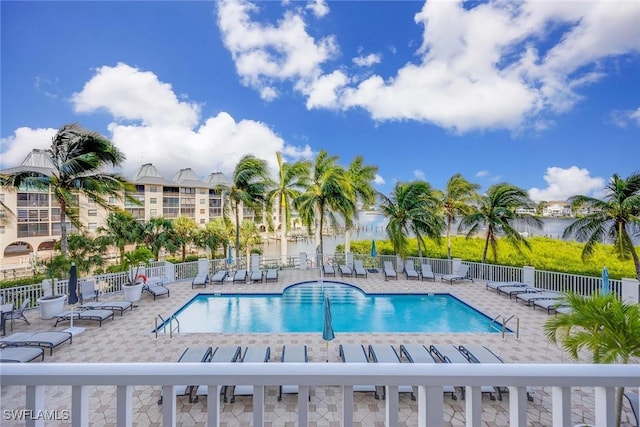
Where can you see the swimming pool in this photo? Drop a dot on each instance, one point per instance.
(300, 309)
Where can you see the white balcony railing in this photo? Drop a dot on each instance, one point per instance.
(429, 380)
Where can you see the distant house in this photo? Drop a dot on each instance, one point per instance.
(557, 209)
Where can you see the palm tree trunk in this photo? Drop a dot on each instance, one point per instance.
(184, 251)
(317, 218)
(448, 237)
(237, 232)
(347, 240)
(619, 398)
(64, 240)
(283, 232)
(486, 249)
(636, 262)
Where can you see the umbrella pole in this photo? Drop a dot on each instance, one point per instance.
(327, 351)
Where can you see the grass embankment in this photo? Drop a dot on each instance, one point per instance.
(545, 254)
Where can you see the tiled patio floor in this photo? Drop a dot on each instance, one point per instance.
(127, 339)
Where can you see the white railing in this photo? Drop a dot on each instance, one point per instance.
(429, 380)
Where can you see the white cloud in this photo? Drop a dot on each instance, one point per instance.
(14, 149)
(153, 126)
(378, 180)
(564, 183)
(367, 61)
(482, 174)
(496, 65)
(625, 118)
(268, 54)
(128, 93)
(318, 7)
(418, 174)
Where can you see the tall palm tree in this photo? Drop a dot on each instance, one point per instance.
(411, 209)
(329, 194)
(602, 324)
(249, 188)
(120, 229)
(614, 217)
(185, 229)
(292, 179)
(498, 212)
(158, 233)
(456, 201)
(78, 162)
(361, 177)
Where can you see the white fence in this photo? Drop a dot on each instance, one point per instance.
(429, 380)
(111, 283)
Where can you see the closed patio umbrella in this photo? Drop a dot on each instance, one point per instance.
(73, 296)
(229, 255)
(327, 327)
(605, 281)
(374, 253)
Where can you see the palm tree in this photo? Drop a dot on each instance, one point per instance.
(120, 229)
(87, 252)
(602, 324)
(249, 187)
(498, 212)
(217, 233)
(78, 159)
(614, 217)
(411, 209)
(456, 201)
(185, 229)
(293, 178)
(158, 233)
(329, 193)
(361, 178)
(249, 237)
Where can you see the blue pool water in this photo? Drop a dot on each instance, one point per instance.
(300, 309)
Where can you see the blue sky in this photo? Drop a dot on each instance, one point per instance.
(543, 95)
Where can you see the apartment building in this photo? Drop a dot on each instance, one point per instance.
(31, 217)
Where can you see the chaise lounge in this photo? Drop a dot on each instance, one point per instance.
(155, 288)
(426, 272)
(461, 274)
(45, 339)
(292, 354)
(389, 271)
(410, 270)
(272, 275)
(418, 353)
(219, 277)
(96, 315)
(20, 354)
(359, 268)
(355, 353)
(253, 354)
(190, 355)
(387, 354)
(221, 354)
(120, 306)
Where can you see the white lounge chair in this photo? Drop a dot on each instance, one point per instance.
(355, 353)
(219, 277)
(359, 268)
(345, 270)
(418, 353)
(388, 354)
(240, 276)
(88, 291)
(221, 354)
(461, 274)
(426, 272)
(252, 354)
(256, 273)
(328, 270)
(190, 355)
(480, 354)
(496, 286)
(292, 354)
(200, 280)
(451, 354)
(389, 271)
(120, 306)
(272, 275)
(516, 289)
(45, 339)
(155, 288)
(548, 304)
(96, 315)
(410, 270)
(20, 354)
(529, 297)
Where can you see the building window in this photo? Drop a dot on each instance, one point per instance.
(202, 201)
(2, 197)
(153, 200)
(201, 221)
(201, 211)
(92, 226)
(153, 189)
(113, 200)
(92, 212)
(1, 229)
(153, 213)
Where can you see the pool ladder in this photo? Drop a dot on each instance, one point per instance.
(495, 324)
(164, 323)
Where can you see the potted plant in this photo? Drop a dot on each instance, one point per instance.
(137, 257)
(52, 303)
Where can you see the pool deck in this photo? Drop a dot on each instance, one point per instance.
(128, 339)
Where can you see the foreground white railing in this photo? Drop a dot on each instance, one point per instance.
(428, 378)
